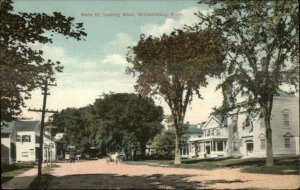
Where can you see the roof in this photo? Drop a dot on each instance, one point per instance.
(218, 117)
(7, 127)
(26, 125)
(194, 129)
(283, 94)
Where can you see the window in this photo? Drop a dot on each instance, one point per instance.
(207, 132)
(26, 138)
(234, 126)
(220, 145)
(286, 123)
(218, 132)
(286, 118)
(287, 142)
(234, 123)
(262, 144)
(4, 135)
(235, 146)
(18, 138)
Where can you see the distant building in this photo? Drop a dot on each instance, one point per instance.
(49, 148)
(27, 145)
(192, 131)
(60, 144)
(21, 141)
(8, 143)
(213, 142)
(234, 137)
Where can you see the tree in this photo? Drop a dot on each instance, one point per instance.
(129, 121)
(261, 54)
(23, 68)
(115, 122)
(174, 67)
(73, 123)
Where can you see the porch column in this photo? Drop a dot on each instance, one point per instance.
(187, 149)
(201, 147)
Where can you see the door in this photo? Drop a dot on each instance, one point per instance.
(207, 149)
(249, 148)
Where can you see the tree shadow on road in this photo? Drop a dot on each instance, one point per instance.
(113, 181)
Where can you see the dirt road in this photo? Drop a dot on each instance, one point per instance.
(100, 175)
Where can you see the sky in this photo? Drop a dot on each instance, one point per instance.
(97, 64)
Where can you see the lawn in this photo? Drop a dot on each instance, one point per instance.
(282, 165)
(9, 171)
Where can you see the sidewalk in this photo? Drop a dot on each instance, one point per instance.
(21, 181)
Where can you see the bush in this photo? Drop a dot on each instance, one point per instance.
(165, 145)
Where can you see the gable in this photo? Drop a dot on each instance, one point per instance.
(262, 136)
(288, 134)
(212, 123)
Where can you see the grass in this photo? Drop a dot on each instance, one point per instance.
(9, 171)
(281, 170)
(41, 182)
(282, 165)
(12, 167)
(286, 166)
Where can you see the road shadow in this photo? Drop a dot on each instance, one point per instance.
(113, 181)
(18, 183)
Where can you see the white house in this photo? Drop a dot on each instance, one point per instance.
(27, 145)
(213, 141)
(234, 137)
(27, 135)
(250, 140)
(8, 143)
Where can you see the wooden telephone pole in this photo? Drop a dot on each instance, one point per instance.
(44, 111)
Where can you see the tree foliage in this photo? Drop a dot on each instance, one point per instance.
(174, 67)
(22, 67)
(115, 122)
(261, 54)
(164, 144)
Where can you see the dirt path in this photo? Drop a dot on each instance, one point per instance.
(100, 175)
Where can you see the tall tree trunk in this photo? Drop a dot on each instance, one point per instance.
(177, 148)
(269, 143)
(269, 148)
(178, 125)
(177, 128)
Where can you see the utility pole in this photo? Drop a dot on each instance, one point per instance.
(44, 111)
